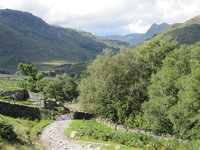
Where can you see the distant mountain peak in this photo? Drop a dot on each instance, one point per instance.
(137, 38)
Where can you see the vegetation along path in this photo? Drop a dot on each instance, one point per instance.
(53, 137)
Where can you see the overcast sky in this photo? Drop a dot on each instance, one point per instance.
(108, 17)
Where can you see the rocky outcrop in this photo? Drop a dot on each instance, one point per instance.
(18, 95)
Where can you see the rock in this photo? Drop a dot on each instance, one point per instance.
(89, 146)
(73, 134)
(99, 148)
(117, 147)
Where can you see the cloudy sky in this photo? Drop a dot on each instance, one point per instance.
(108, 17)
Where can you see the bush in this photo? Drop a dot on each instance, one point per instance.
(98, 131)
(101, 132)
(6, 131)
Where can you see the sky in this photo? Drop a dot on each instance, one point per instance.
(108, 17)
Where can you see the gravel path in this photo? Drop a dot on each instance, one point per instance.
(53, 137)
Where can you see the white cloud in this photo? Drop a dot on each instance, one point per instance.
(108, 16)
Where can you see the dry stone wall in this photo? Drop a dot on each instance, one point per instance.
(18, 95)
(19, 111)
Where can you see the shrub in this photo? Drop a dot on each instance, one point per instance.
(98, 131)
(6, 131)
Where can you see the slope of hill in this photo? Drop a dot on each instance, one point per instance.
(153, 30)
(137, 38)
(27, 38)
(185, 33)
(125, 38)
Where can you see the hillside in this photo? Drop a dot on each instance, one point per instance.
(27, 38)
(185, 33)
(137, 38)
(26, 131)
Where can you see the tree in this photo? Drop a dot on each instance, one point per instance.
(116, 85)
(32, 77)
(63, 88)
(26, 69)
(174, 94)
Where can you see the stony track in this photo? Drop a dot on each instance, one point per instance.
(53, 137)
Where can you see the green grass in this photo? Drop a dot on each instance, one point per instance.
(9, 82)
(27, 132)
(17, 102)
(74, 126)
(98, 133)
(55, 62)
(108, 145)
(59, 108)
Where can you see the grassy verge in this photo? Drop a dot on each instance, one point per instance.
(17, 102)
(93, 131)
(26, 131)
(76, 125)
(8, 85)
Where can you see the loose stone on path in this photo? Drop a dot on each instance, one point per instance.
(53, 137)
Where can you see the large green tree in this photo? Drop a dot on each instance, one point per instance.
(174, 104)
(116, 85)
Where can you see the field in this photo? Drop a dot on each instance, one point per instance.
(8, 82)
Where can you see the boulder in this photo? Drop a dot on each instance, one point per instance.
(73, 134)
(117, 147)
(99, 148)
(89, 146)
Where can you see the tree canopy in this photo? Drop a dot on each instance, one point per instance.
(116, 85)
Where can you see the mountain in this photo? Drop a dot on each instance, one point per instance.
(185, 33)
(123, 38)
(153, 31)
(137, 38)
(27, 38)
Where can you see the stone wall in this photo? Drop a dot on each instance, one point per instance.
(81, 115)
(48, 104)
(75, 115)
(18, 95)
(19, 111)
(118, 127)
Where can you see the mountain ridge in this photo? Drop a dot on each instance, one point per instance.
(27, 38)
(187, 32)
(137, 38)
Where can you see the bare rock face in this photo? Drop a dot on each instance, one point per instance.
(18, 95)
